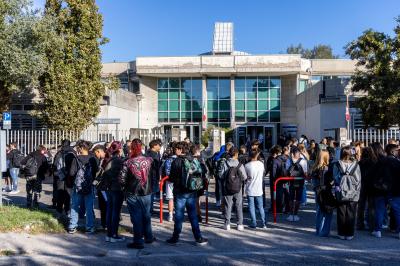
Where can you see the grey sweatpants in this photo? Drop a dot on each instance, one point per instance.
(228, 202)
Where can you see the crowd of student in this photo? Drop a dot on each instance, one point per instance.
(359, 182)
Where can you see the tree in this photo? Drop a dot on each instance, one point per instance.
(319, 51)
(22, 43)
(378, 75)
(72, 88)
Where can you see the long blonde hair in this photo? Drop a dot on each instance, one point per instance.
(322, 160)
(303, 151)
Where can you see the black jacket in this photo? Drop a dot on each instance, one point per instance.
(42, 163)
(12, 156)
(72, 167)
(368, 171)
(111, 173)
(155, 167)
(135, 176)
(387, 171)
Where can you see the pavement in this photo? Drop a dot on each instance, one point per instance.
(282, 243)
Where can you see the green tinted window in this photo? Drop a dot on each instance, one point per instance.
(163, 116)
(186, 106)
(275, 116)
(174, 83)
(174, 117)
(240, 93)
(251, 105)
(262, 105)
(186, 93)
(174, 93)
(252, 116)
(197, 116)
(224, 116)
(251, 82)
(263, 116)
(240, 106)
(163, 105)
(212, 105)
(162, 83)
(197, 83)
(162, 94)
(240, 82)
(212, 116)
(173, 105)
(275, 82)
(275, 105)
(186, 116)
(251, 93)
(274, 93)
(196, 106)
(239, 116)
(262, 93)
(263, 82)
(224, 105)
(186, 83)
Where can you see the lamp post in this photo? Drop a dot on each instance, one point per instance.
(139, 98)
(347, 93)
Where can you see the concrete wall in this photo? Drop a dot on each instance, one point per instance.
(333, 66)
(149, 104)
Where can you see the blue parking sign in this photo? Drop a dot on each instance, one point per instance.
(6, 117)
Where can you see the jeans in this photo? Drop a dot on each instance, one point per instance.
(139, 210)
(253, 201)
(228, 203)
(219, 185)
(114, 205)
(323, 222)
(33, 190)
(77, 200)
(304, 194)
(14, 173)
(380, 210)
(188, 201)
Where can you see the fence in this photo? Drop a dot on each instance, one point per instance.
(369, 136)
(28, 140)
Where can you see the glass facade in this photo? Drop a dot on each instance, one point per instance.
(179, 100)
(219, 101)
(257, 99)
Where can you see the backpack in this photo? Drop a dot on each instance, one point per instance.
(192, 176)
(350, 185)
(233, 179)
(17, 159)
(83, 179)
(30, 167)
(324, 196)
(295, 170)
(60, 167)
(282, 171)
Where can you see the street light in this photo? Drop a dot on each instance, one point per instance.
(347, 93)
(139, 98)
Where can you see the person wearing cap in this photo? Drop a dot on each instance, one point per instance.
(296, 167)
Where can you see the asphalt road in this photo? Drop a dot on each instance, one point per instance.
(281, 243)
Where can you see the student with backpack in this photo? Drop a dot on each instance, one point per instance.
(219, 164)
(296, 167)
(186, 174)
(195, 151)
(135, 180)
(112, 166)
(347, 178)
(234, 175)
(99, 152)
(34, 168)
(282, 188)
(325, 200)
(273, 163)
(155, 174)
(81, 174)
(255, 172)
(387, 189)
(170, 156)
(62, 197)
(15, 158)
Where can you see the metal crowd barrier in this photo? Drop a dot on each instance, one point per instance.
(288, 178)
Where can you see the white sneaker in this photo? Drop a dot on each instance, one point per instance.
(349, 237)
(227, 227)
(218, 203)
(240, 227)
(108, 239)
(377, 234)
(296, 218)
(14, 192)
(264, 227)
(117, 239)
(342, 237)
(170, 218)
(290, 218)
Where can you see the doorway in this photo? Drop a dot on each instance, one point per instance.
(265, 134)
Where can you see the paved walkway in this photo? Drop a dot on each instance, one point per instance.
(293, 243)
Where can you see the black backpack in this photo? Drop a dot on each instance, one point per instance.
(30, 167)
(84, 178)
(233, 179)
(295, 170)
(324, 196)
(282, 172)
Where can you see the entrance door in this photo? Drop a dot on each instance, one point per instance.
(265, 134)
(194, 133)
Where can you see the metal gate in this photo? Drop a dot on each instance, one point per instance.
(369, 136)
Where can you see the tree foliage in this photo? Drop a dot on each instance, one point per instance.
(71, 87)
(377, 74)
(23, 37)
(319, 51)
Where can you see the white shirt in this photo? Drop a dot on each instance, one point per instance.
(255, 175)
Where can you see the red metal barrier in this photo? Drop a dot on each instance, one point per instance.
(288, 178)
(162, 197)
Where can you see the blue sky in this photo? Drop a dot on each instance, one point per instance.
(185, 27)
